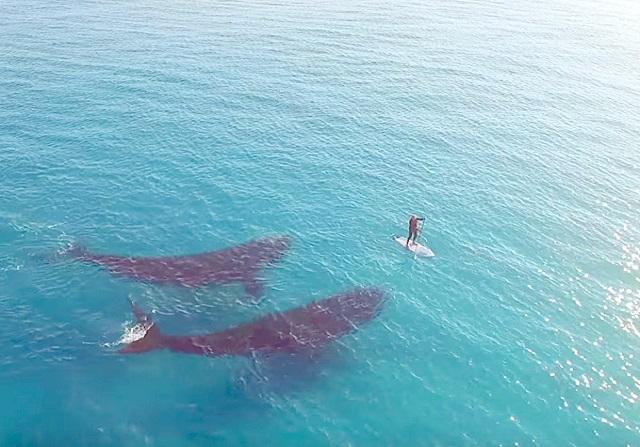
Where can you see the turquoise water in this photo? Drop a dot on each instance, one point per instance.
(162, 128)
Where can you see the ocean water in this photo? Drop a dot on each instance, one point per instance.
(163, 128)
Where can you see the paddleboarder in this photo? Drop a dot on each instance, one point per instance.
(413, 229)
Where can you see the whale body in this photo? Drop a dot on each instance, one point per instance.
(239, 263)
(301, 328)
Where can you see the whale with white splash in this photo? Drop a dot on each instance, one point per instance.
(299, 329)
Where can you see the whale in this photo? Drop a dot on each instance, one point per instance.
(239, 263)
(299, 329)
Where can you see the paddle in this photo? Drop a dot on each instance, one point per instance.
(417, 241)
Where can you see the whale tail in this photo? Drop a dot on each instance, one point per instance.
(74, 250)
(152, 338)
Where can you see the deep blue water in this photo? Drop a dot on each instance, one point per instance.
(162, 128)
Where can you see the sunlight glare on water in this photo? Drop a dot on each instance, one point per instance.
(155, 129)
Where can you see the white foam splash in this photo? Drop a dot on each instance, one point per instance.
(130, 334)
(134, 333)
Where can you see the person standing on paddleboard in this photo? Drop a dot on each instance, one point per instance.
(413, 229)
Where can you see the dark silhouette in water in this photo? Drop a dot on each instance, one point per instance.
(239, 263)
(301, 328)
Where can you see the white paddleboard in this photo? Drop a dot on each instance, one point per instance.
(417, 249)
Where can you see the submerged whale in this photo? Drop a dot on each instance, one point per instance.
(239, 263)
(301, 328)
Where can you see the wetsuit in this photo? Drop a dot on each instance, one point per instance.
(413, 228)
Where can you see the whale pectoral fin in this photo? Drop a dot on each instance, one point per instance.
(253, 286)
